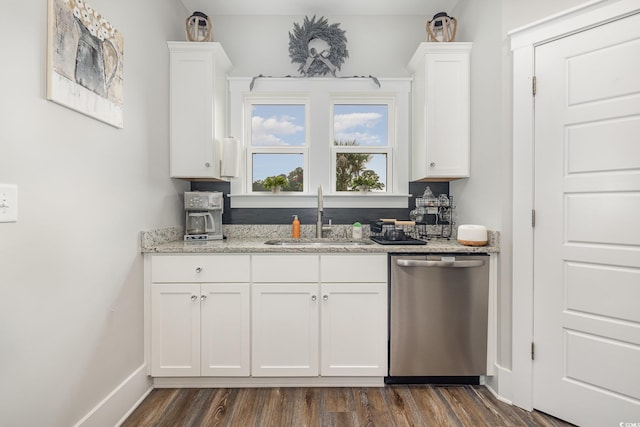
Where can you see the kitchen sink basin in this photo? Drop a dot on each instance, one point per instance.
(318, 242)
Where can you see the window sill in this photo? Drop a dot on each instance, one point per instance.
(330, 200)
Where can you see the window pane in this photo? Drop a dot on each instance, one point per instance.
(271, 165)
(277, 125)
(352, 167)
(360, 124)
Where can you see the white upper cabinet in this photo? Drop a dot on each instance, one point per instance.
(198, 103)
(440, 148)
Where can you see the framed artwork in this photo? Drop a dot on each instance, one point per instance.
(85, 61)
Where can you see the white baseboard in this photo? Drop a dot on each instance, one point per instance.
(255, 382)
(500, 384)
(120, 403)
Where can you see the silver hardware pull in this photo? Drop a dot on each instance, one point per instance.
(446, 264)
(325, 298)
(432, 164)
(199, 270)
(203, 297)
(313, 297)
(207, 165)
(194, 297)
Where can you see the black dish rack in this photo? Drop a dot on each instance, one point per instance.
(411, 233)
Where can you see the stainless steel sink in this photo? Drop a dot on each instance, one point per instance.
(318, 242)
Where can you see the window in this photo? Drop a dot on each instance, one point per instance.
(321, 132)
(278, 145)
(361, 151)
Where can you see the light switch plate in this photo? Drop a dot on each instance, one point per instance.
(8, 203)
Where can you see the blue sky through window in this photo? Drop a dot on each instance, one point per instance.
(277, 125)
(367, 124)
(364, 123)
(283, 125)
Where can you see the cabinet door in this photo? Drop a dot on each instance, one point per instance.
(448, 124)
(225, 314)
(175, 330)
(441, 111)
(191, 112)
(197, 108)
(284, 330)
(354, 329)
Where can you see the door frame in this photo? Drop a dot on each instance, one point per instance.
(523, 43)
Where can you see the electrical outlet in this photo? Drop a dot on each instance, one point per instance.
(8, 203)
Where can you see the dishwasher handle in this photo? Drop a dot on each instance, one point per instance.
(447, 264)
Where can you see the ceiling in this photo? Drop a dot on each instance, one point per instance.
(320, 7)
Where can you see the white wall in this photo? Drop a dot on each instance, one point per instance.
(486, 197)
(480, 198)
(71, 303)
(477, 198)
(518, 13)
(70, 268)
(378, 46)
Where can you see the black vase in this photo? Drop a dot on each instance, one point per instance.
(90, 70)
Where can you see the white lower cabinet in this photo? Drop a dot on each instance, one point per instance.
(353, 329)
(301, 315)
(284, 330)
(225, 330)
(175, 330)
(199, 329)
(335, 325)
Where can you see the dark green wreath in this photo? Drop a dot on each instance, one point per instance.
(317, 63)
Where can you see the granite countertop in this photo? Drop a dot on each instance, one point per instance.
(252, 238)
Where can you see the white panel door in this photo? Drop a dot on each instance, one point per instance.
(587, 238)
(225, 316)
(354, 329)
(284, 330)
(175, 330)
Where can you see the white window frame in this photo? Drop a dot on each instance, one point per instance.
(363, 99)
(250, 101)
(319, 170)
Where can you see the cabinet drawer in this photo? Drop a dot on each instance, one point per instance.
(199, 268)
(353, 268)
(285, 268)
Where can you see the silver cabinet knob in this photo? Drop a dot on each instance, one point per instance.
(432, 164)
(207, 165)
(194, 297)
(325, 298)
(203, 297)
(313, 297)
(199, 270)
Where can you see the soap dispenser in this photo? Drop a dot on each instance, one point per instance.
(356, 231)
(295, 227)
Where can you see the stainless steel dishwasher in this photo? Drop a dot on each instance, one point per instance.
(438, 317)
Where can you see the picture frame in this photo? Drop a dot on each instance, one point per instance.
(85, 59)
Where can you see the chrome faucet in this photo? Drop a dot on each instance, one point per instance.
(319, 226)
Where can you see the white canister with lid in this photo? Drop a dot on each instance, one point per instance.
(472, 235)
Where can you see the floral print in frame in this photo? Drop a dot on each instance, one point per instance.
(85, 61)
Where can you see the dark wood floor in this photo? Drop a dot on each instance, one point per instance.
(398, 405)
